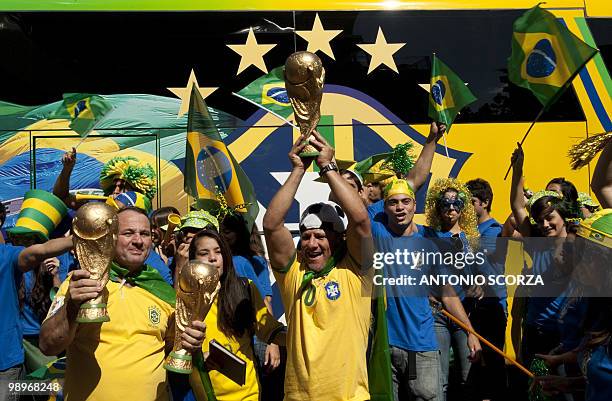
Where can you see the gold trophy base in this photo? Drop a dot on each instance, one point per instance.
(179, 362)
(309, 151)
(92, 313)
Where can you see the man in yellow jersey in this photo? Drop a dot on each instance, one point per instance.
(325, 288)
(121, 359)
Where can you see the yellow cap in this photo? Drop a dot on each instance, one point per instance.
(397, 187)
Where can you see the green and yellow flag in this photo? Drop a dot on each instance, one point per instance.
(84, 111)
(448, 93)
(270, 92)
(211, 168)
(380, 375)
(546, 56)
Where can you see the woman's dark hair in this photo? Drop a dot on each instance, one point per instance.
(39, 300)
(547, 204)
(236, 224)
(159, 217)
(570, 196)
(257, 246)
(236, 314)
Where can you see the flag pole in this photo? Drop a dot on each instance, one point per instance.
(445, 147)
(525, 137)
(82, 140)
(438, 308)
(89, 132)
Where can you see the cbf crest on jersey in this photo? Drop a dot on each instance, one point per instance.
(332, 290)
(154, 315)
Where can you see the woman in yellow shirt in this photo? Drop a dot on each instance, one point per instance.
(237, 313)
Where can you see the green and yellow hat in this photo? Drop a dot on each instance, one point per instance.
(198, 219)
(398, 186)
(41, 212)
(586, 201)
(598, 228)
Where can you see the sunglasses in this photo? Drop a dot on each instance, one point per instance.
(446, 204)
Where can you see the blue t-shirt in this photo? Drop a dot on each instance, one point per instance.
(489, 231)
(29, 321)
(410, 322)
(598, 373)
(156, 262)
(571, 322)
(245, 269)
(543, 311)
(260, 265)
(10, 325)
(490, 228)
(449, 246)
(68, 263)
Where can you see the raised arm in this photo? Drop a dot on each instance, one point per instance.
(418, 174)
(34, 255)
(358, 233)
(278, 238)
(62, 184)
(453, 305)
(517, 200)
(601, 183)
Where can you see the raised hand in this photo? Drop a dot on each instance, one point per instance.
(326, 152)
(296, 161)
(69, 159)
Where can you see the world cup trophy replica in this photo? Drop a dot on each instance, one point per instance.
(94, 230)
(304, 78)
(198, 285)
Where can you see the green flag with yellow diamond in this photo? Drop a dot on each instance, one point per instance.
(270, 92)
(84, 111)
(448, 93)
(210, 168)
(546, 56)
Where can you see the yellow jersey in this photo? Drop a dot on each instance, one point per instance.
(327, 334)
(121, 359)
(266, 327)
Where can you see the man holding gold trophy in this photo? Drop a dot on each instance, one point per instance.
(115, 316)
(325, 290)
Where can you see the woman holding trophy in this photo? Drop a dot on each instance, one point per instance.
(237, 313)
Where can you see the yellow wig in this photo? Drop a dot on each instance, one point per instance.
(467, 221)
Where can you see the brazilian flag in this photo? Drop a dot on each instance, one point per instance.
(270, 92)
(380, 379)
(448, 93)
(210, 168)
(84, 111)
(546, 56)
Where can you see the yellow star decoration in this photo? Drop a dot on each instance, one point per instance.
(251, 53)
(185, 93)
(319, 38)
(382, 52)
(426, 87)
